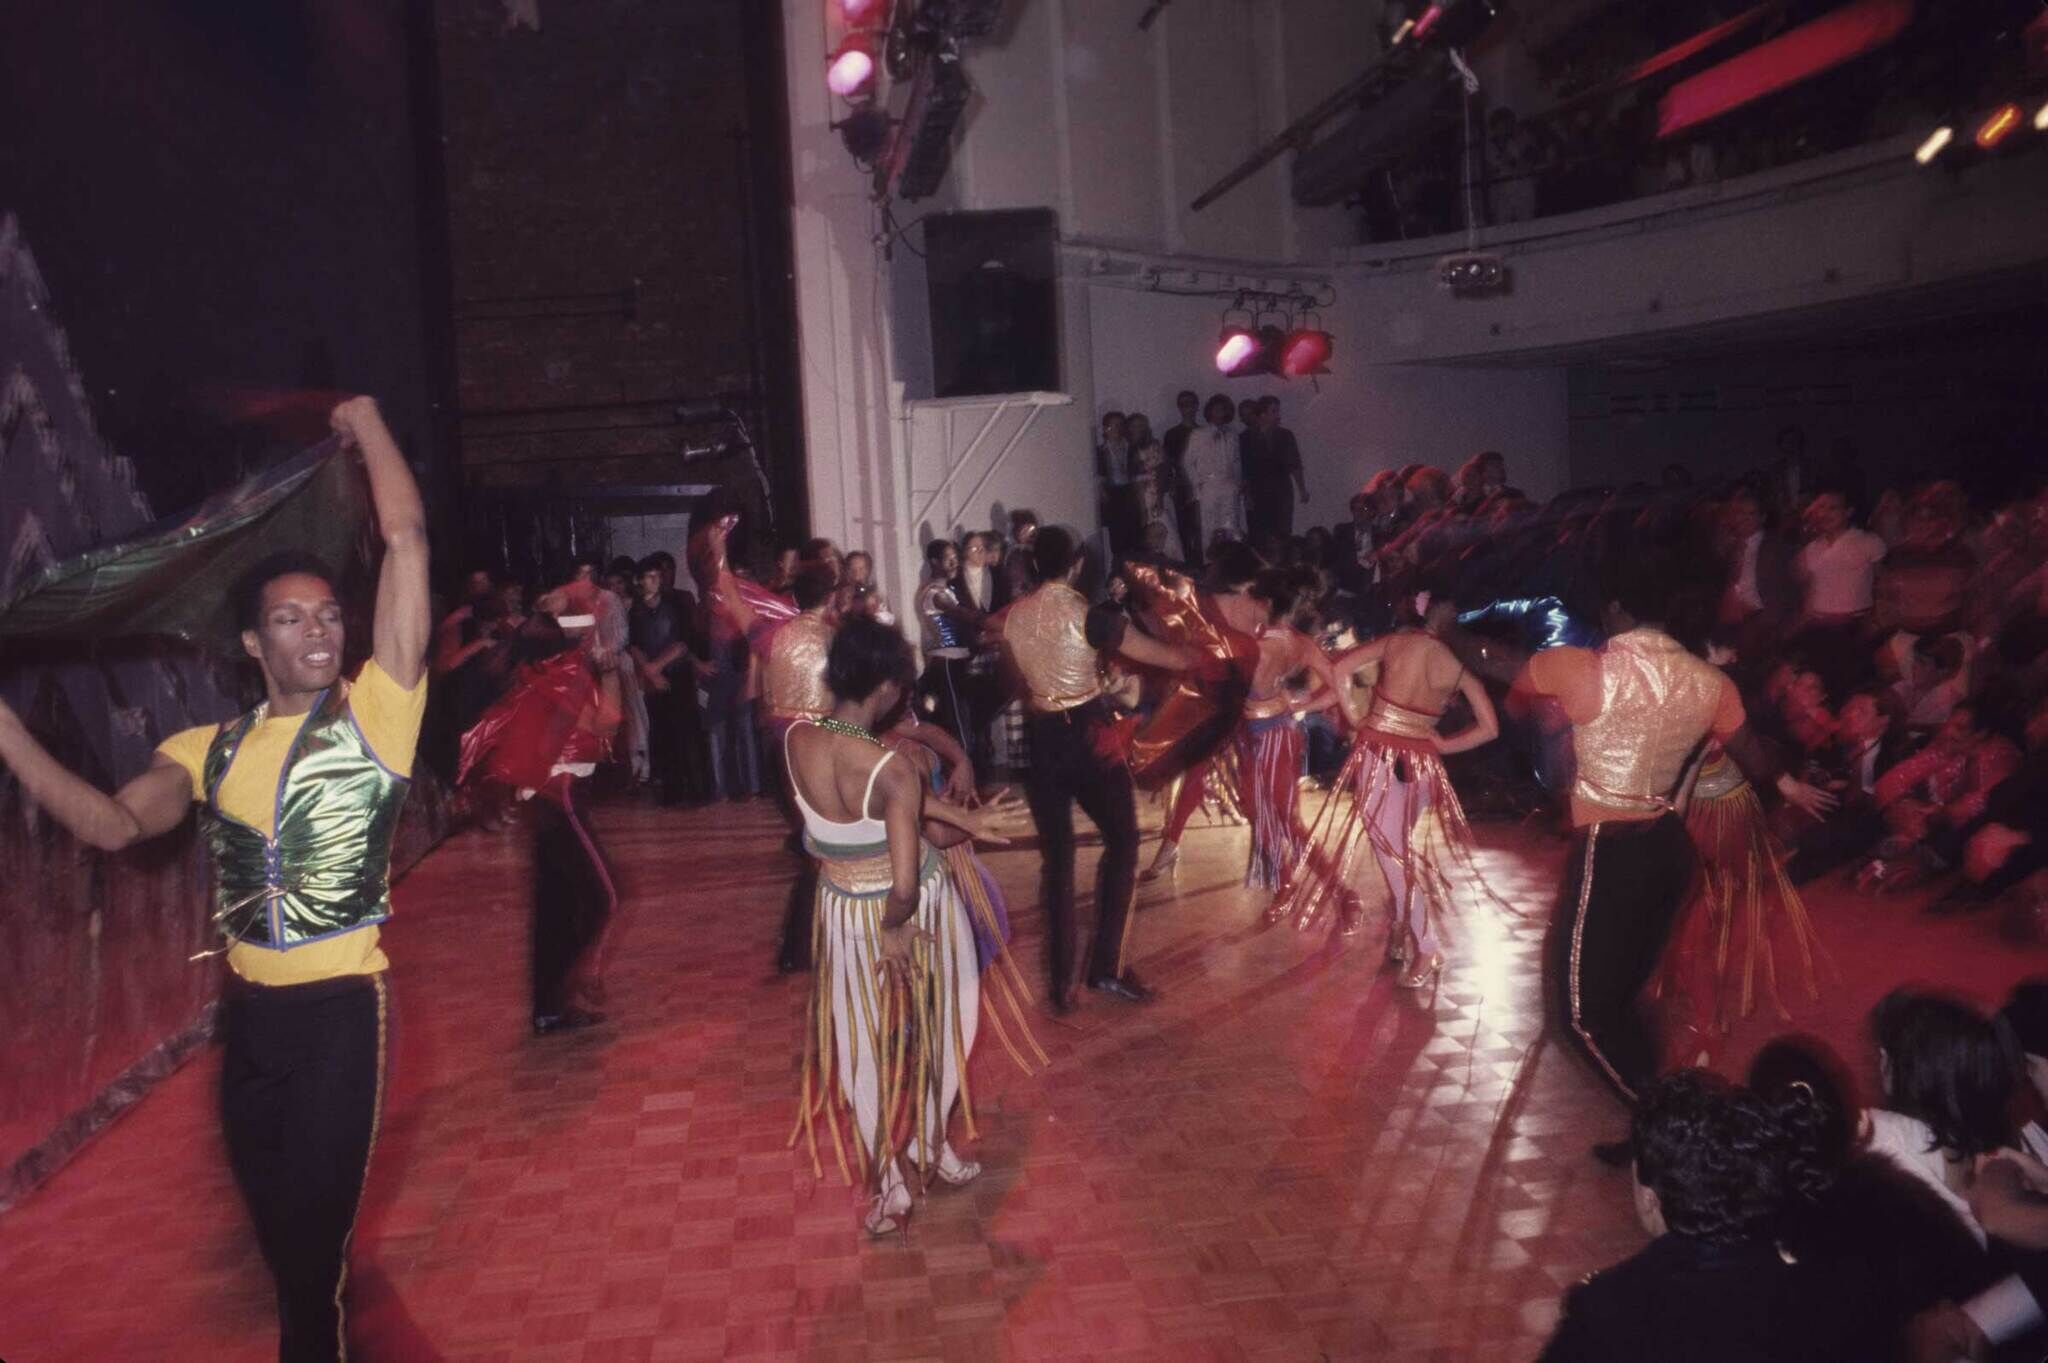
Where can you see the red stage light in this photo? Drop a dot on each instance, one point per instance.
(1994, 129)
(1237, 350)
(852, 68)
(1306, 352)
(857, 12)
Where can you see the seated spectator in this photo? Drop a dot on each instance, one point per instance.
(1803, 712)
(1949, 1075)
(1711, 1171)
(1924, 584)
(2008, 845)
(1849, 769)
(1934, 678)
(1931, 799)
(1876, 1238)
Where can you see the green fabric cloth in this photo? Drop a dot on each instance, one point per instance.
(177, 579)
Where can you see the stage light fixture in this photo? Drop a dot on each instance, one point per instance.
(850, 73)
(865, 133)
(1306, 351)
(1936, 140)
(1997, 126)
(857, 13)
(2041, 119)
(1237, 351)
(1426, 21)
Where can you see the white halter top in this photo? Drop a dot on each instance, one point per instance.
(831, 832)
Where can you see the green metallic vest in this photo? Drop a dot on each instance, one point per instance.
(327, 869)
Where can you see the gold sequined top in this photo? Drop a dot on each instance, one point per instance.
(1047, 636)
(793, 682)
(1656, 702)
(1399, 721)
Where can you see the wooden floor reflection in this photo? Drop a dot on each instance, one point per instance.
(1284, 1158)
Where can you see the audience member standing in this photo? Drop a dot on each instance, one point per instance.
(1269, 461)
(1017, 577)
(659, 629)
(1211, 461)
(1116, 472)
(1837, 569)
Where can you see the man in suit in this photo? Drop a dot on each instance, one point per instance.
(1862, 750)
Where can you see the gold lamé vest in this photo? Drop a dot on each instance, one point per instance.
(793, 679)
(326, 868)
(1047, 637)
(1656, 702)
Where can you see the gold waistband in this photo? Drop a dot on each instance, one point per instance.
(1391, 717)
(1268, 708)
(1052, 705)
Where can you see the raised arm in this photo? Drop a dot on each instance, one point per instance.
(1485, 725)
(404, 624)
(150, 805)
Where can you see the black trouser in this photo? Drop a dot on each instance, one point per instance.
(573, 893)
(1269, 513)
(1072, 758)
(1624, 884)
(954, 693)
(675, 742)
(1192, 546)
(301, 1085)
(799, 912)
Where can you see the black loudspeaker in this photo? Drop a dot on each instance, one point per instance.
(995, 307)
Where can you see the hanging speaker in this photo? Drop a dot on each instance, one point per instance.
(994, 284)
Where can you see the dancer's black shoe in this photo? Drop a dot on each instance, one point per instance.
(1126, 986)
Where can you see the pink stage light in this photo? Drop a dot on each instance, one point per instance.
(857, 12)
(1427, 21)
(1235, 349)
(852, 69)
(1306, 352)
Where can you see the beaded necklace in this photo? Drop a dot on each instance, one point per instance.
(840, 726)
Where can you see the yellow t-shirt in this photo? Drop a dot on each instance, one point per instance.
(389, 716)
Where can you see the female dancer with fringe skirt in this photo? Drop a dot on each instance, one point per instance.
(1394, 798)
(896, 977)
(1743, 921)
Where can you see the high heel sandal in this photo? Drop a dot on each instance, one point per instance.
(1166, 863)
(953, 1170)
(889, 1214)
(1429, 968)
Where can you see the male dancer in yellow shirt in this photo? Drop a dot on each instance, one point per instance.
(299, 800)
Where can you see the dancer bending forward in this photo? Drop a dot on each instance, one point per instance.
(896, 983)
(1393, 778)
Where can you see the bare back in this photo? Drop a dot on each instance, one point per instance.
(1283, 651)
(1418, 672)
(833, 773)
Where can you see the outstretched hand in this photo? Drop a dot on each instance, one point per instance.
(996, 822)
(1815, 801)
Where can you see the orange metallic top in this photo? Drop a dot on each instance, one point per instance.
(793, 682)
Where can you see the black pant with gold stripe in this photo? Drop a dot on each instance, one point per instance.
(302, 1083)
(1074, 758)
(1624, 885)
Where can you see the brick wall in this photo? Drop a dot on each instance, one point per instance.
(607, 257)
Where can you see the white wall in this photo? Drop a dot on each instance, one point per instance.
(1861, 224)
(1355, 421)
(1120, 129)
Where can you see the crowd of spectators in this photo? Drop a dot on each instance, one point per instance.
(1790, 1221)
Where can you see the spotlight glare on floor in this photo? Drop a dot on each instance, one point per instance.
(1995, 128)
(1936, 140)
